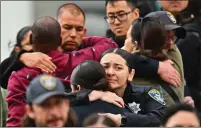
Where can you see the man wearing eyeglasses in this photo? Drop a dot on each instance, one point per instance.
(120, 15)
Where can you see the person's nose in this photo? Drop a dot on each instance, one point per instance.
(73, 33)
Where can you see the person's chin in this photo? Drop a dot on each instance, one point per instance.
(70, 48)
(58, 123)
(120, 34)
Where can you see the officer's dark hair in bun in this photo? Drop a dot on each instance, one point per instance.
(124, 54)
(90, 75)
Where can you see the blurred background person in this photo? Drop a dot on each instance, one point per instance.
(47, 104)
(181, 115)
(188, 13)
(98, 121)
(22, 41)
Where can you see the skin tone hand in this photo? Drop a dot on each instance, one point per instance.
(189, 100)
(38, 60)
(169, 74)
(129, 47)
(115, 118)
(107, 97)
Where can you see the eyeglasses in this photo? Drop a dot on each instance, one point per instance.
(121, 17)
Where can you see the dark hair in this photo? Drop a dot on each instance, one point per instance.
(153, 38)
(172, 110)
(146, 6)
(46, 30)
(131, 3)
(90, 75)
(20, 37)
(136, 31)
(72, 120)
(99, 119)
(194, 6)
(124, 54)
(72, 8)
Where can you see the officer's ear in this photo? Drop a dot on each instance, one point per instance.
(29, 111)
(131, 75)
(30, 39)
(79, 88)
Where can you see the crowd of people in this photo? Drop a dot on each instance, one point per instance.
(145, 72)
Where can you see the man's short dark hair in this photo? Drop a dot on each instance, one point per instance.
(72, 8)
(172, 110)
(46, 30)
(131, 3)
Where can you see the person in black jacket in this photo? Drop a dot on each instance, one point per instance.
(190, 49)
(147, 103)
(91, 75)
(188, 15)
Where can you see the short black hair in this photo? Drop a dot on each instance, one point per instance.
(131, 3)
(46, 30)
(72, 8)
(172, 110)
(90, 75)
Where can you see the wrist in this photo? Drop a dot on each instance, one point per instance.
(123, 120)
(159, 67)
(22, 57)
(95, 95)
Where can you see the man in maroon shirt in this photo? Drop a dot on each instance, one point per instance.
(46, 39)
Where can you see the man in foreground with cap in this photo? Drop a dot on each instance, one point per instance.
(47, 103)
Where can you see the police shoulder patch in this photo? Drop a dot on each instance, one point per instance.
(156, 95)
(48, 82)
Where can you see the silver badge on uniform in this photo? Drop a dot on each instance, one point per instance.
(135, 107)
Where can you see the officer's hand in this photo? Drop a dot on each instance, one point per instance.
(169, 74)
(38, 60)
(113, 99)
(189, 100)
(115, 118)
(129, 46)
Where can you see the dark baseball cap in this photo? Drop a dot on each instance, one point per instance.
(169, 21)
(43, 87)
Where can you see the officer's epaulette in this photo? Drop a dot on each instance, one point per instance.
(141, 88)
